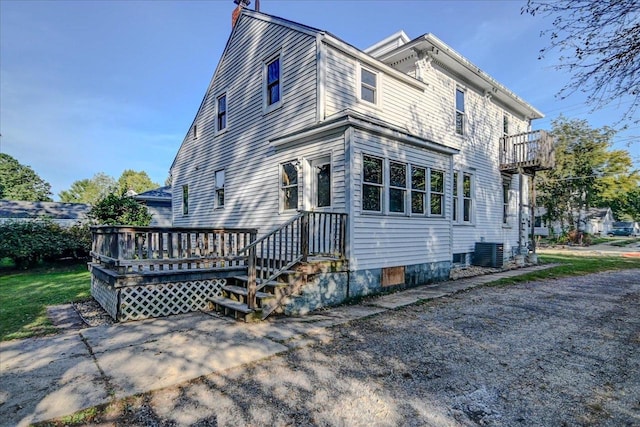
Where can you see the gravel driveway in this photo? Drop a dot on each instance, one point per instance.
(550, 353)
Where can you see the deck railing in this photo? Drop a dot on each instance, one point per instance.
(150, 249)
(529, 150)
(305, 235)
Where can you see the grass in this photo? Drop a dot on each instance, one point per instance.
(572, 265)
(24, 296)
(622, 243)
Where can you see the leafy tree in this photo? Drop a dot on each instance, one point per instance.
(120, 210)
(598, 42)
(626, 207)
(587, 172)
(136, 181)
(89, 191)
(20, 182)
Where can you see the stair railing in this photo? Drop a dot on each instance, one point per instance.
(306, 234)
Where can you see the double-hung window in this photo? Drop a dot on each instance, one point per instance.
(221, 116)
(368, 86)
(418, 189)
(460, 121)
(467, 198)
(505, 125)
(219, 186)
(506, 184)
(436, 195)
(272, 83)
(185, 200)
(397, 187)
(289, 186)
(454, 216)
(372, 184)
(463, 199)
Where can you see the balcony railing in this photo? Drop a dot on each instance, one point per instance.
(527, 152)
(136, 250)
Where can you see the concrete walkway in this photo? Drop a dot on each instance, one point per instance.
(50, 377)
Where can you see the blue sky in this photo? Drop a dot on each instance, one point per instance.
(104, 86)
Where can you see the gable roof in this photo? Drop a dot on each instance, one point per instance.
(449, 58)
(382, 61)
(54, 210)
(598, 213)
(162, 193)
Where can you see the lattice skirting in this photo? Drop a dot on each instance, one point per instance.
(157, 300)
(106, 295)
(164, 299)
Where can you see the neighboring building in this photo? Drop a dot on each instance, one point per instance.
(64, 214)
(598, 221)
(427, 154)
(158, 203)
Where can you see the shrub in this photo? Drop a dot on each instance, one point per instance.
(29, 242)
(120, 210)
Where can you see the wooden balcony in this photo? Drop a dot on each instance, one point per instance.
(527, 152)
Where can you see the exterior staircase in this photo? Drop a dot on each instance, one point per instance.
(273, 273)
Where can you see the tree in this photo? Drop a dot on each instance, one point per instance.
(120, 210)
(89, 191)
(626, 207)
(587, 172)
(136, 181)
(598, 42)
(20, 182)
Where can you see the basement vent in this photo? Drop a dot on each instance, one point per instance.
(489, 254)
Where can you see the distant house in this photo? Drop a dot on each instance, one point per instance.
(64, 214)
(158, 203)
(593, 221)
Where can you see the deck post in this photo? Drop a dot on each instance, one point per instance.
(251, 283)
(304, 236)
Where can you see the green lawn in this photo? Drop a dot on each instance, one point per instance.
(573, 265)
(24, 296)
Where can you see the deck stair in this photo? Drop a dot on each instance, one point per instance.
(273, 273)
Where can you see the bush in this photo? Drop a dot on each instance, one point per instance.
(29, 242)
(120, 210)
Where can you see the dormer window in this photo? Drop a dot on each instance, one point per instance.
(368, 86)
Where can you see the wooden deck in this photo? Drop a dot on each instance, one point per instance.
(149, 271)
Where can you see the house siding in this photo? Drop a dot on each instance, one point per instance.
(388, 240)
(244, 150)
(320, 81)
(430, 114)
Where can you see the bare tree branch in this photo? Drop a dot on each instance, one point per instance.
(599, 44)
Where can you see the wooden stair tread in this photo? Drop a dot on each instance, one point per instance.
(259, 281)
(239, 290)
(234, 305)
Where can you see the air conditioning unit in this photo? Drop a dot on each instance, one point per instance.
(489, 254)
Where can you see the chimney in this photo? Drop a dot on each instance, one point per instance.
(236, 12)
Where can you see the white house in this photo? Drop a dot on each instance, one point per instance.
(425, 153)
(597, 221)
